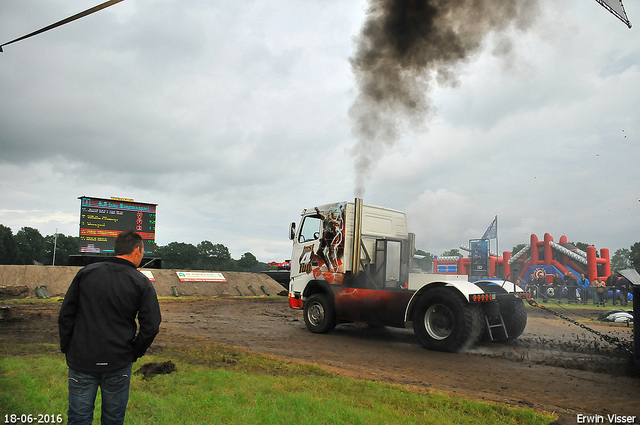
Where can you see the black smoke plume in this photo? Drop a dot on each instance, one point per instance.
(403, 48)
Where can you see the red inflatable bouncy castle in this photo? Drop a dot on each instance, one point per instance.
(547, 255)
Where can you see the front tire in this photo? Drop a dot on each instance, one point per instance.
(319, 314)
(444, 321)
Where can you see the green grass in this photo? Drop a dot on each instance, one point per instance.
(220, 384)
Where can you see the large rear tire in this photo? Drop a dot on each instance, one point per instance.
(516, 322)
(319, 314)
(444, 321)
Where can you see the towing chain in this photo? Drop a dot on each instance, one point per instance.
(620, 343)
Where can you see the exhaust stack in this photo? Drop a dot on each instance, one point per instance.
(357, 236)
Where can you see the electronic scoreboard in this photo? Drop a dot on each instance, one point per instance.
(101, 220)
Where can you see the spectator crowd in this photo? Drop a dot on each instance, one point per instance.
(613, 289)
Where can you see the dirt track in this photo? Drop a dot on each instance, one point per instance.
(553, 366)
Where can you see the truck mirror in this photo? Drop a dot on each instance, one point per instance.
(292, 231)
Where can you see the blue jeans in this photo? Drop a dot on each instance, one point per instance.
(83, 388)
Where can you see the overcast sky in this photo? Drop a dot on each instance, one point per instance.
(232, 116)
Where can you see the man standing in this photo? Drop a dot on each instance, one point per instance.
(601, 290)
(558, 282)
(586, 287)
(624, 285)
(97, 325)
(611, 283)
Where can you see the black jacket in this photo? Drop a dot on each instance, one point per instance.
(97, 320)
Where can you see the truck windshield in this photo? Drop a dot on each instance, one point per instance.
(310, 229)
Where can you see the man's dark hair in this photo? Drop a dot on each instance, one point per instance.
(127, 241)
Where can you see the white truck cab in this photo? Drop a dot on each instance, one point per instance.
(352, 262)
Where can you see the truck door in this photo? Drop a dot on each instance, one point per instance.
(305, 245)
(387, 263)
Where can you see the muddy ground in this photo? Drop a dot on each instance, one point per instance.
(554, 366)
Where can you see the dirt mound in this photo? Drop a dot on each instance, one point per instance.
(24, 281)
(149, 370)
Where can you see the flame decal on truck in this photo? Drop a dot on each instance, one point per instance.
(332, 239)
(326, 256)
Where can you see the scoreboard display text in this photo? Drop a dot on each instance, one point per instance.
(102, 220)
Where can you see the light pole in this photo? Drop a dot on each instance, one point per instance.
(55, 245)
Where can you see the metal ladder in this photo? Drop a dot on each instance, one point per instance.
(496, 325)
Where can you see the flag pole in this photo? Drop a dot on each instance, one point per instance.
(497, 250)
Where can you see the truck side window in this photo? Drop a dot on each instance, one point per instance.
(310, 229)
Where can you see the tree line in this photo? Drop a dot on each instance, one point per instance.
(28, 246)
(206, 256)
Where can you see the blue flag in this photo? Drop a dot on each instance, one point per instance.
(492, 230)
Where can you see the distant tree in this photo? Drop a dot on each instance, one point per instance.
(581, 245)
(205, 249)
(425, 264)
(635, 256)
(260, 267)
(30, 246)
(214, 257)
(452, 253)
(621, 260)
(68, 245)
(65, 246)
(247, 262)
(8, 249)
(179, 255)
(518, 248)
(205, 255)
(221, 252)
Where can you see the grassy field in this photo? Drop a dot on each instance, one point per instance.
(218, 384)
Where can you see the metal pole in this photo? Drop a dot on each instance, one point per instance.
(634, 277)
(636, 325)
(55, 246)
(498, 255)
(497, 246)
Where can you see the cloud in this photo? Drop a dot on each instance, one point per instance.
(440, 219)
(233, 117)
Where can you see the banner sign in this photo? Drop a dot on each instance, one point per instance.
(479, 257)
(200, 277)
(148, 274)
